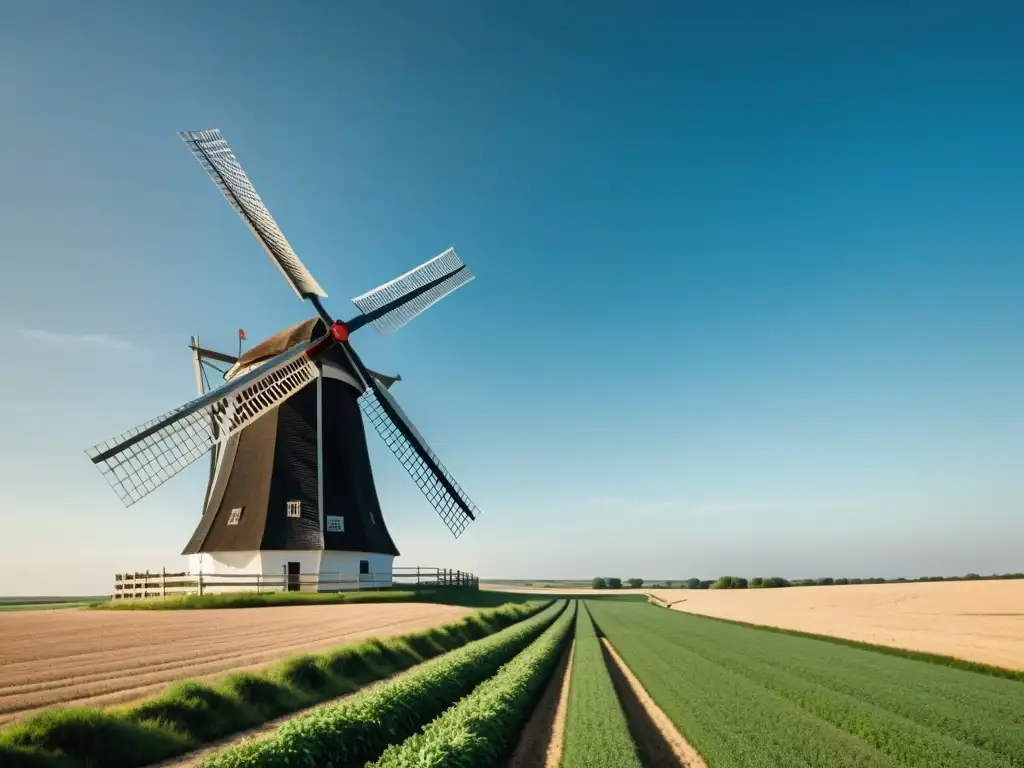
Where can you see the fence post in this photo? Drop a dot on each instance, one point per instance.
(200, 583)
(163, 583)
(257, 583)
(417, 575)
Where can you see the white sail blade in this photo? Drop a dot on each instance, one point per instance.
(390, 306)
(139, 461)
(220, 162)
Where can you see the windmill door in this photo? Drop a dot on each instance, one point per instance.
(293, 577)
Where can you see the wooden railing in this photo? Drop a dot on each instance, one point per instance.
(160, 584)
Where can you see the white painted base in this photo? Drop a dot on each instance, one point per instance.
(267, 570)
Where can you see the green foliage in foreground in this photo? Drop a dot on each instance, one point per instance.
(257, 600)
(481, 728)
(596, 734)
(188, 714)
(360, 728)
(466, 596)
(747, 698)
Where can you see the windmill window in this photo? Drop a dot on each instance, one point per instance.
(364, 567)
(294, 509)
(235, 516)
(335, 524)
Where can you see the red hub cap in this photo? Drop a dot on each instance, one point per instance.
(339, 331)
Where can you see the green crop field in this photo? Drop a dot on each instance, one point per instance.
(472, 693)
(596, 734)
(46, 603)
(746, 697)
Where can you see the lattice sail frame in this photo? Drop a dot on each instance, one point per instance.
(446, 269)
(216, 157)
(452, 510)
(142, 459)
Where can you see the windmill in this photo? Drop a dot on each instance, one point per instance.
(290, 486)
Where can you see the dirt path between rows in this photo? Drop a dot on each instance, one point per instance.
(104, 658)
(657, 740)
(540, 744)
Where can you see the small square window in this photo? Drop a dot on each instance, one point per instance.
(335, 524)
(294, 509)
(235, 516)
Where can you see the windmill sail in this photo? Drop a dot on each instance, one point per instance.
(395, 303)
(220, 162)
(139, 461)
(441, 489)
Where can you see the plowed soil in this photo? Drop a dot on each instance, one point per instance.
(102, 658)
(981, 621)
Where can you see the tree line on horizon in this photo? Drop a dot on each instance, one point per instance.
(775, 582)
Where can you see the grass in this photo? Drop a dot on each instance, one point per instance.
(746, 697)
(596, 734)
(931, 658)
(46, 603)
(260, 600)
(360, 728)
(481, 728)
(189, 714)
(464, 596)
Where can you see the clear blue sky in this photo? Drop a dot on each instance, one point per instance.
(750, 282)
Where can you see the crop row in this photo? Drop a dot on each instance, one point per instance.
(596, 734)
(744, 697)
(361, 727)
(479, 730)
(188, 714)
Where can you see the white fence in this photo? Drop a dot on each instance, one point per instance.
(128, 586)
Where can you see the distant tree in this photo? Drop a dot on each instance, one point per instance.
(614, 583)
(636, 583)
(705, 584)
(827, 581)
(668, 583)
(775, 582)
(842, 581)
(730, 582)
(856, 581)
(598, 583)
(692, 583)
(757, 582)
(971, 577)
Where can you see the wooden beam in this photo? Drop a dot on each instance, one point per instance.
(229, 359)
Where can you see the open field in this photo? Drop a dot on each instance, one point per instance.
(645, 686)
(746, 698)
(46, 603)
(103, 658)
(980, 621)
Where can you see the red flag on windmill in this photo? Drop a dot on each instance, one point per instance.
(241, 334)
